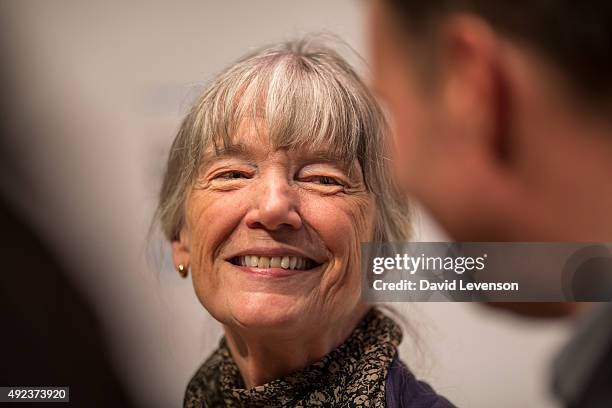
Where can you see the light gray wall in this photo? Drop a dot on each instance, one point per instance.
(105, 84)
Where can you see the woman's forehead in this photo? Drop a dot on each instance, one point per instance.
(254, 138)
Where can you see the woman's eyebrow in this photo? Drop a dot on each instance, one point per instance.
(216, 153)
(232, 150)
(330, 157)
(343, 163)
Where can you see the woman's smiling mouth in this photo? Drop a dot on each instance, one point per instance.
(266, 262)
(277, 262)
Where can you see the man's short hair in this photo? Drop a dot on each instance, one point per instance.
(576, 36)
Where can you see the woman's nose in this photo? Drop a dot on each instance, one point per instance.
(274, 206)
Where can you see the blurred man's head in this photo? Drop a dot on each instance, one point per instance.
(502, 112)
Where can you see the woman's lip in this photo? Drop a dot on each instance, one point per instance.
(274, 252)
(273, 272)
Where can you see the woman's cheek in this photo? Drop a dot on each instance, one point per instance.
(342, 223)
(209, 231)
(339, 217)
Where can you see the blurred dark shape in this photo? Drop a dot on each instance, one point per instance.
(597, 392)
(540, 310)
(50, 333)
(587, 275)
(582, 375)
(593, 280)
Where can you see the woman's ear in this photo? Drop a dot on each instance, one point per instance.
(180, 249)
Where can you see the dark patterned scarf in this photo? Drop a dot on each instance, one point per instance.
(353, 375)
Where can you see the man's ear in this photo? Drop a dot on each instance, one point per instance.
(181, 249)
(475, 97)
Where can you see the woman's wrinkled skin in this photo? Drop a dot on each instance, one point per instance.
(251, 198)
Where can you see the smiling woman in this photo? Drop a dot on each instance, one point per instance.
(276, 176)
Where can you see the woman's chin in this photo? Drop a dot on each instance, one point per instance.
(265, 310)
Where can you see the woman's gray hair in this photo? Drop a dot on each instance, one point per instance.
(307, 95)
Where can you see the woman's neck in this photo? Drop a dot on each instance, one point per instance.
(263, 355)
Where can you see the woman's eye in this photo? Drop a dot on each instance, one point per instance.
(231, 175)
(325, 180)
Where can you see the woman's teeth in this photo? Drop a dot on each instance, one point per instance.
(285, 262)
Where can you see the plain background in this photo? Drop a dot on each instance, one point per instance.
(103, 86)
